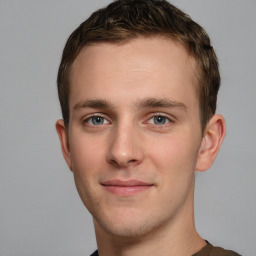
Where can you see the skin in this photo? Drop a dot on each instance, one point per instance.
(134, 116)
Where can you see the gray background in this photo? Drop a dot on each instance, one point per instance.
(40, 211)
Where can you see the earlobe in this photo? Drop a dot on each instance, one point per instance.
(63, 137)
(211, 142)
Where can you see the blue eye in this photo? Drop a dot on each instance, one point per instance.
(96, 120)
(160, 120)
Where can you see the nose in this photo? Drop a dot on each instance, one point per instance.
(125, 147)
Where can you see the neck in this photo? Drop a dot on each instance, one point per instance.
(177, 237)
(158, 245)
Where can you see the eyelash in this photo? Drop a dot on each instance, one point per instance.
(166, 118)
(94, 116)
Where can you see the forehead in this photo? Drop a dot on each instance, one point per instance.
(139, 67)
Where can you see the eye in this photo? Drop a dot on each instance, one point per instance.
(96, 120)
(159, 120)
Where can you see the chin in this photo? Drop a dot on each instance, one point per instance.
(128, 224)
(127, 230)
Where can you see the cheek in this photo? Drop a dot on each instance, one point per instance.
(87, 154)
(172, 151)
(174, 157)
(174, 160)
(87, 161)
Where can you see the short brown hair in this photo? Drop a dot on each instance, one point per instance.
(124, 20)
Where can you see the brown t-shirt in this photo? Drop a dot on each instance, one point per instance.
(210, 250)
(207, 250)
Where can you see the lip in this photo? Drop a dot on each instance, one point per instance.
(126, 188)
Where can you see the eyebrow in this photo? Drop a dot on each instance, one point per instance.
(165, 103)
(145, 103)
(100, 104)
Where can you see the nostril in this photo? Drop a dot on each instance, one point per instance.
(123, 162)
(114, 162)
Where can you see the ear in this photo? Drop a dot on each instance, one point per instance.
(211, 142)
(63, 136)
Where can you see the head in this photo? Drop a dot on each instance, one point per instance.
(138, 83)
(124, 20)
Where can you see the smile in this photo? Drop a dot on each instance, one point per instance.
(126, 188)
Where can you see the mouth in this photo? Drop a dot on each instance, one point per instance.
(126, 188)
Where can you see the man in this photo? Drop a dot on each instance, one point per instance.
(138, 84)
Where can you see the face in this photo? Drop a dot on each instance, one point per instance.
(134, 134)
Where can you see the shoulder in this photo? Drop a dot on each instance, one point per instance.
(95, 254)
(218, 251)
(210, 250)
